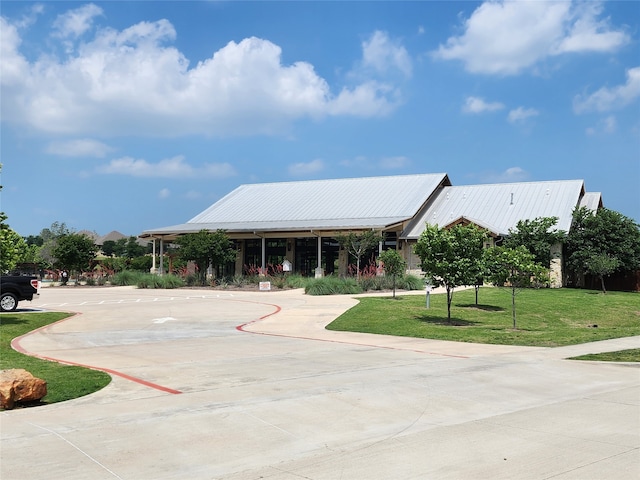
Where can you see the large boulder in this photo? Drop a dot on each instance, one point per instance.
(19, 386)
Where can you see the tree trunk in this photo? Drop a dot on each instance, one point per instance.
(449, 298)
(394, 286)
(604, 290)
(513, 306)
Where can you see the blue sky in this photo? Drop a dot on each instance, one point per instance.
(132, 115)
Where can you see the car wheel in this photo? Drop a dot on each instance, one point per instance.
(8, 302)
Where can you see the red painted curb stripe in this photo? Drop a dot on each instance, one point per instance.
(15, 344)
(241, 328)
(278, 308)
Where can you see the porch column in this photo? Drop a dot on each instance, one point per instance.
(161, 257)
(319, 272)
(153, 261)
(264, 256)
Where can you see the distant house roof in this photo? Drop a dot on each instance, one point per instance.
(372, 202)
(113, 236)
(499, 207)
(88, 233)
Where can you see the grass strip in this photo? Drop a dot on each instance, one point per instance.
(545, 317)
(64, 382)
(631, 355)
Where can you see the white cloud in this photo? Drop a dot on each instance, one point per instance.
(193, 195)
(133, 81)
(76, 22)
(607, 125)
(367, 100)
(505, 37)
(359, 161)
(304, 169)
(606, 99)
(392, 163)
(383, 54)
(510, 175)
(78, 148)
(174, 167)
(15, 69)
(478, 105)
(521, 114)
(164, 193)
(514, 174)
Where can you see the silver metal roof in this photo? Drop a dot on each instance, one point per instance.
(591, 200)
(372, 202)
(499, 207)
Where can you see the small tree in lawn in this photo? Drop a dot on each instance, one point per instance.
(601, 265)
(393, 265)
(74, 252)
(206, 248)
(451, 257)
(515, 268)
(357, 244)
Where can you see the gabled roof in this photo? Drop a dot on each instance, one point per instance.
(113, 236)
(88, 233)
(591, 200)
(501, 206)
(347, 203)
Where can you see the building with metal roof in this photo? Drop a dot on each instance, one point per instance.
(299, 221)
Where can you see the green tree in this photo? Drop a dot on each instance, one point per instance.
(538, 235)
(451, 257)
(601, 265)
(357, 244)
(604, 234)
(206, 248)
(74, 252)
(109, 248)
(120, 247)
(12, 248)
(515, 268)
(393, 265)
(134, 249)
(49, 238)
(34, 240)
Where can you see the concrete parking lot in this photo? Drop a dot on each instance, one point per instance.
(248, 385)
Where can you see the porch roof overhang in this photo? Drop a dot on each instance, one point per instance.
(304, 228)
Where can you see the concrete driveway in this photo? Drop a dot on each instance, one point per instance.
(249, 385)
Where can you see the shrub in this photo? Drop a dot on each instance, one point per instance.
(296, 281)
(149, 280)
(142, 264)
(238, 281)
(126, 277)
(409, 282)
(332, 286)
(371, 282)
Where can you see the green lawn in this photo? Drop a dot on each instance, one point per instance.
(631, 355)
(63, 382)
(545, 317)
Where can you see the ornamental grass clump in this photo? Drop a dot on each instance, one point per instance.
(126, 278)
(159, 281)
(332, 286)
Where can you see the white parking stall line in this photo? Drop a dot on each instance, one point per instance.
(119, 301)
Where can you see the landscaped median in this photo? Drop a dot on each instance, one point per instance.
(64, 382)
